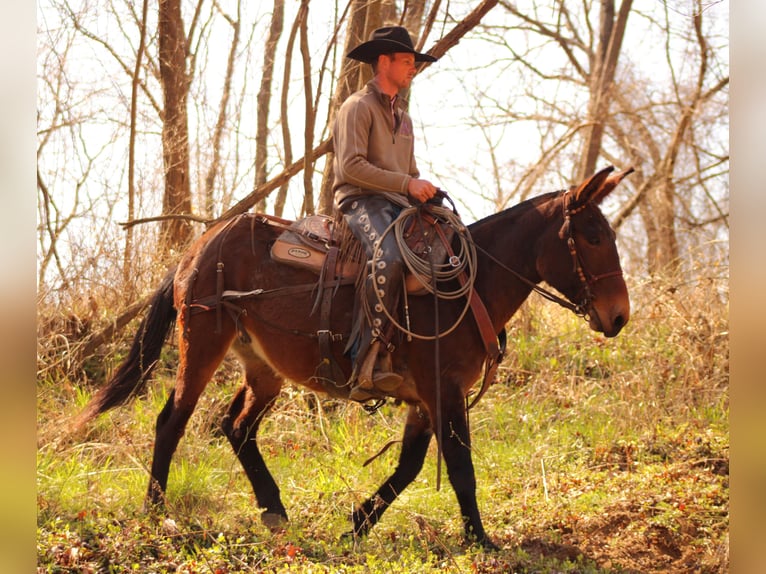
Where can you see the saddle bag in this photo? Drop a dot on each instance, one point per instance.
(305, 242)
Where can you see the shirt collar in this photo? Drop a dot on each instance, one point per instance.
(399, 101)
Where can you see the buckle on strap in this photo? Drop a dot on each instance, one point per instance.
(327, 333)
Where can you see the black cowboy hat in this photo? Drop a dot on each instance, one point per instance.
(387, 40)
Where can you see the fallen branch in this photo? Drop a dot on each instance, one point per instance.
(107, 333)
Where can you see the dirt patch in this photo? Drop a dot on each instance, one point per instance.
(623, 540)
(539, 548)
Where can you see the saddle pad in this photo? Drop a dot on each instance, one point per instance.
(305, 244)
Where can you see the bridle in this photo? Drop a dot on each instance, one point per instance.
(587, 279)
(584, 308)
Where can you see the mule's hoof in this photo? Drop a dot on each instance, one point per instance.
(273, 521)
(487, 544)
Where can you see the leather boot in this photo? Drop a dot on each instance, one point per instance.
(383, 375)
(368, 218)
(375, 378)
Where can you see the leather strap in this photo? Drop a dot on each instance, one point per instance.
(328, 367)
(480, 314)
(487, 332)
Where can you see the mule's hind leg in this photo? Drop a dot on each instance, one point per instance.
(199, 358)
(417, 436)
(250, 405)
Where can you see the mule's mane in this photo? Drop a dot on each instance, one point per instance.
(514, 212)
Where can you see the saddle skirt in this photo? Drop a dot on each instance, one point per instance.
(306, 242)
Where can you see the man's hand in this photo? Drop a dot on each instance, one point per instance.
(421, 189)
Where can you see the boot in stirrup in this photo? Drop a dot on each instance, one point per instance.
(376, 377)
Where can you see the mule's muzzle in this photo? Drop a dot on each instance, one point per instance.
(610, 321)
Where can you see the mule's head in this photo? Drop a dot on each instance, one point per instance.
(583, 262)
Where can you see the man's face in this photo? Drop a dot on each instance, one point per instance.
(399, 69)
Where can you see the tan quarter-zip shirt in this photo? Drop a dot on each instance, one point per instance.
(374, 151)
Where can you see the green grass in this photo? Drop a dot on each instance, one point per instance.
(592, 455)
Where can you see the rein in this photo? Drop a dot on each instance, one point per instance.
(549, 295)
(583, 308)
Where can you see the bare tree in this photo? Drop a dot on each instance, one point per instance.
(628, 118)
(673, 163)
(127, 263)
(310, 112)
(264, 94)
(175, 232)
(601, 78)
(215, 163)
(287, 144)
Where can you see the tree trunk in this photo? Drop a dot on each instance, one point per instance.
(284, 118)
(310, 114)
(603, 66)
(127, 268)
(264, 95)
(365, 17)
(659, 196)
(175, 233)
(662, 254)
(220, 124)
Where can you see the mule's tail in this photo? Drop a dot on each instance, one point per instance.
(133, 373)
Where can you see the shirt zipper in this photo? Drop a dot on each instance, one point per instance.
(393, 119)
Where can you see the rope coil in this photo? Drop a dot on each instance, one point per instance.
(429, 273)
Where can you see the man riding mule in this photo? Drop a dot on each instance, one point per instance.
(228, 293)
(375, 176)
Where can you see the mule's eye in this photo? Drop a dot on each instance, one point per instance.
(593, 239)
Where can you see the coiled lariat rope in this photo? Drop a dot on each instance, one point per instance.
(431, 274)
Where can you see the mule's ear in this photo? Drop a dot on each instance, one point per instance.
(586, 190)
(609, 184)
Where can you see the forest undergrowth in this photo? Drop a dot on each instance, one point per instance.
(591, 454)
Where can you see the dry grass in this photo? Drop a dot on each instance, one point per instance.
(592, 455)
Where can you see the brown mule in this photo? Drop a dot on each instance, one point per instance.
(561, 238)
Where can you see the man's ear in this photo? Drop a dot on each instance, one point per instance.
(376, 63)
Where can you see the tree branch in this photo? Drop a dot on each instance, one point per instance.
(166, 217)
(107, 333)
(452, 38)
(264, 190)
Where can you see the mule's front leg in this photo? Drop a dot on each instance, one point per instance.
(417, 436)
(456, 448)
